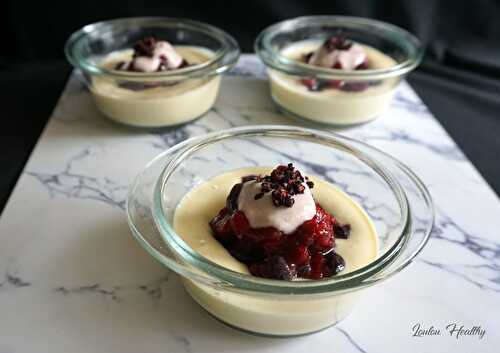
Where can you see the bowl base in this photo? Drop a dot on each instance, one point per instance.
(153, 129)
(259, 334)
(321, 124)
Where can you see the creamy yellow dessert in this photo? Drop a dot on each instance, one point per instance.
(155, 102)
(345, 103)
(270, 314)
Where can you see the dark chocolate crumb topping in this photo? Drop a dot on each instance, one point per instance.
(337, 43)
(145, 47)
(283, 183)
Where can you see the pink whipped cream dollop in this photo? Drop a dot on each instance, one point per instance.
(261, 212)
(338, 53)
(151, 55)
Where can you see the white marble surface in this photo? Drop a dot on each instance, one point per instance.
(72, 278)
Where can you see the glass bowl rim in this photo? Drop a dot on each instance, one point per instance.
(273, 59)
(224, 58)
(355, 279)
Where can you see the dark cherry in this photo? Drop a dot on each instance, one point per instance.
(335, 262)
(274, 267)
(342, 231)
(139, 86)
(281, 269)
(355, 86)
(232, 198)
(222, 228)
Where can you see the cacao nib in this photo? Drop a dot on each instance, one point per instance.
(337, 43)
(145, 47)
(284, 182)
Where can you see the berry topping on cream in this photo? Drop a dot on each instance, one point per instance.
(151, 55)
(273, 225)
(341, 54)
(282, 200)
(338, 53)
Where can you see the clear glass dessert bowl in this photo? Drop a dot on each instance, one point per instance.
(338, 97)
(396, 200)
(152, 99)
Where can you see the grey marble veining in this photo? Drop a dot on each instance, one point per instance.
(72, 184)
(72, 276)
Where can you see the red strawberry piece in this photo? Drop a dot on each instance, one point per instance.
(324, 242)
(239, 223)
(306, 231)
(299, 255)
(316, 264)
(220, 224)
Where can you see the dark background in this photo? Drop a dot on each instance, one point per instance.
(459, 78)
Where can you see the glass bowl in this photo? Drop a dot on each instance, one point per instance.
(157, 99)
(397, 201)
(341, 98)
